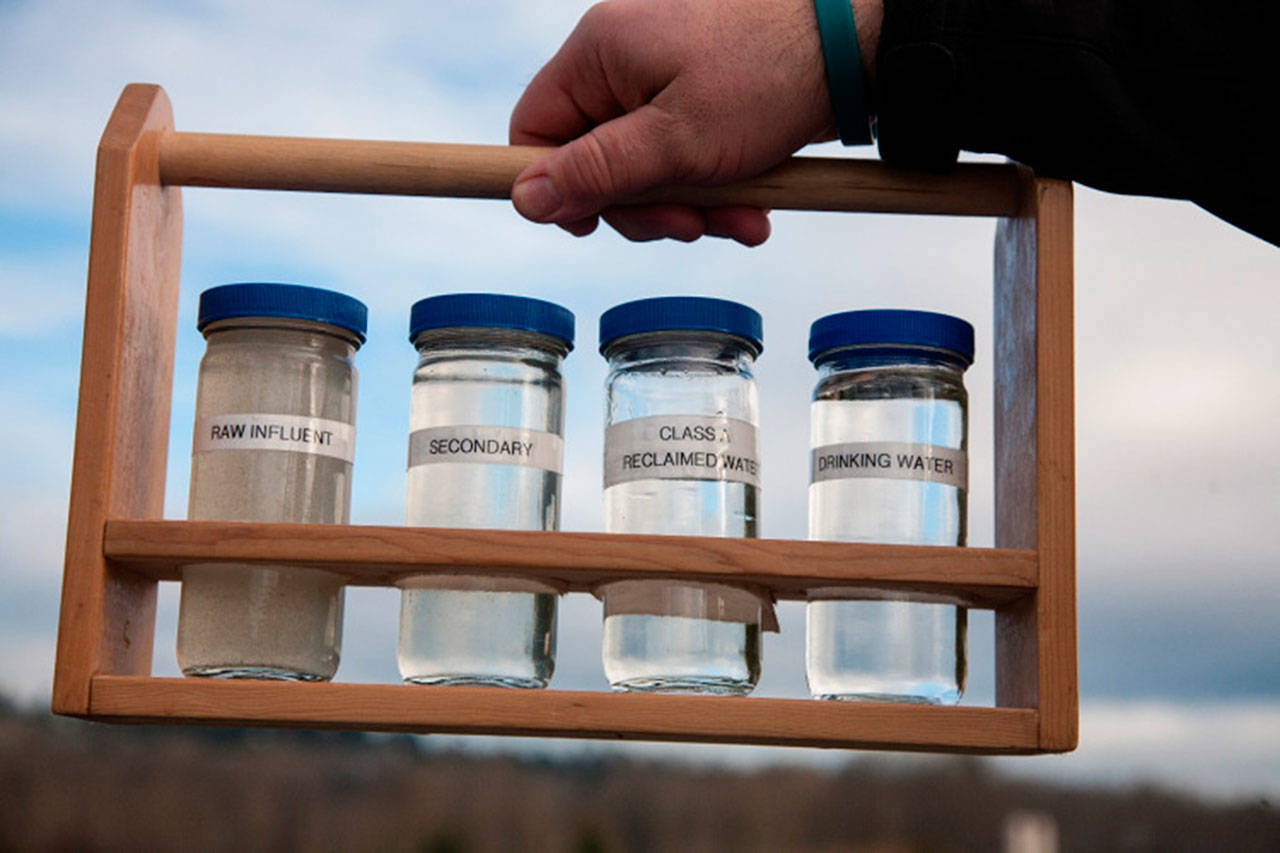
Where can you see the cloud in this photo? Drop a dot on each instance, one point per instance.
(40, 296)
(1222, 750)
(396, 70)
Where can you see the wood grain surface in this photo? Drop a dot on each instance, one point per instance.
(377, 556)
(1035, 455)
(1055, 599)
(560, 713)
(488, 171)
(107, 616)
(117, 546)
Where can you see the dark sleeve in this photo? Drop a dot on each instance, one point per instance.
(1174, 98)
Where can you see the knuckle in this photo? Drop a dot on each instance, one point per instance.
(599, 17)
(684, 145)
(668, 129)
(591, 172)
(613, 25)
(728, 161)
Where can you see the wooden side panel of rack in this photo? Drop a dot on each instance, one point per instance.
(107, 617)
(118, 547)
(1035, 455)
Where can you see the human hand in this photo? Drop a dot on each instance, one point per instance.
(648, 93)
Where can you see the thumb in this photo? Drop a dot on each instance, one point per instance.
(604, 167)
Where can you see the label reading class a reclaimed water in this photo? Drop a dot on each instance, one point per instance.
(256, 431)
(681, 447)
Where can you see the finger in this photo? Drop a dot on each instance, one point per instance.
(654, 222)
(581, 227)
(747, 225)
(560, 103)
(574, 91)
(603, 168)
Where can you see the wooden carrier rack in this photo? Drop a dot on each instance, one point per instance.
(118, 546)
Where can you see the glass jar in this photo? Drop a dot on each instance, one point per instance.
(274, 441)
(681, 458)
(889, 464)
(485, 451)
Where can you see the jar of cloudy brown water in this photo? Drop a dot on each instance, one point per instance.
(485, 451)
(274, 435)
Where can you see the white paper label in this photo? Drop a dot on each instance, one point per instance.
(890, 460)
(681, 447)
(247, 431)
(488, 445)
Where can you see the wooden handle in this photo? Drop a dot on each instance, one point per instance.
(488, 171)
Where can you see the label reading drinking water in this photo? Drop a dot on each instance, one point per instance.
(320, 436)
(681, 447)
(890, 460)
(491, 445)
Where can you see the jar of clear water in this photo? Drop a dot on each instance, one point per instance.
(889, 465)
(274, 440)
(681, 457)
(486, 450)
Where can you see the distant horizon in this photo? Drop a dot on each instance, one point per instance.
(574, 754)
(84, 786)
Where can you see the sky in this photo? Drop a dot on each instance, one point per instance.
(1178, 467)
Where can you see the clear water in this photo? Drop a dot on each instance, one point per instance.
(483, 636)
(504, 639)
(893, 651)
(681, 374)
(681, 508)
(667, 653)
(878, 649)
(492, 497)
(697, 655)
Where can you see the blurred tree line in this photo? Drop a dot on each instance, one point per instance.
(69, 785)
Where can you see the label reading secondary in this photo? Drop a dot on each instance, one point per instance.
(491, 445)
(681, 447)
(320, 436)
(890, 460)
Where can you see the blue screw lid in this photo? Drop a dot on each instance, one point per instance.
(491, 311)
(891, 329)
(682, 313)
(291, 301)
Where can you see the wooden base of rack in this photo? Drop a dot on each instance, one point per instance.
(564, 713)
(377, 556)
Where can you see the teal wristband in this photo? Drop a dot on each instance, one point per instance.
(843, 62)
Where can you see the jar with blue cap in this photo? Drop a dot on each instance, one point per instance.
(681, 457)
(274, 441)
(486, 450)
(889, 464)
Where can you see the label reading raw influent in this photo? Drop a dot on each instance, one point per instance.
(321, 436)
(491, 445)
(890, 460)
(681, 447)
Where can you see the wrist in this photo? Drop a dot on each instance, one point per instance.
(848, 88)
